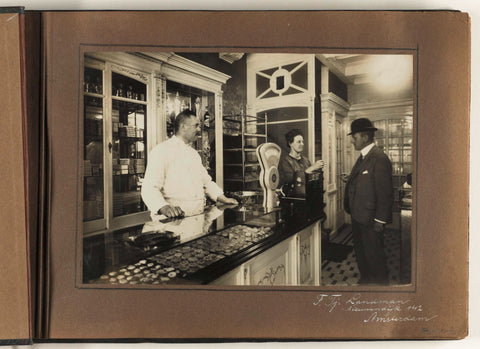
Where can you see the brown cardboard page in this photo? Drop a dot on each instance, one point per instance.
(433, 306)
(14, 292)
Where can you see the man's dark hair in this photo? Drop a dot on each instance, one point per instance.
(369, 134)
(182, 117)
(290, 135)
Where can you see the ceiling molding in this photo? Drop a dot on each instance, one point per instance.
(230, 57)
(188, 65)
(398, 103)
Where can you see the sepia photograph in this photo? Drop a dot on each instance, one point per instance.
(263, 169)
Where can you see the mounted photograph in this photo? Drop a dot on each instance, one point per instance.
(246, 169)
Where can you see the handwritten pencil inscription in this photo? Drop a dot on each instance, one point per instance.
(374, 310)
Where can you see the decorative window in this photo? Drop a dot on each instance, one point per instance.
(283, 80)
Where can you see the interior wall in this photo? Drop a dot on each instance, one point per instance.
(337, 86)
(235, 90)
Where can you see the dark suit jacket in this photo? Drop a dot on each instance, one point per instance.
(369, 190)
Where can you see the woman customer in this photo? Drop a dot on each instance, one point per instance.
(293, 165)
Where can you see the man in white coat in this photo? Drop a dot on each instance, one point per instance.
(175, 180)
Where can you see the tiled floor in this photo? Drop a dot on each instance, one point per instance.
(346, 272)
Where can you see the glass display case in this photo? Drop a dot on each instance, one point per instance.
(394, 137)
(130, 101)
(115, 145)
(129, 121)
(93, 166)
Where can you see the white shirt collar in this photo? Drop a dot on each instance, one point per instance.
(179, 140)
(366, 149)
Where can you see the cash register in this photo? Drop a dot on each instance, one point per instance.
(304, 194)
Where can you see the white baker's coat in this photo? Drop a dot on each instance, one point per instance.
(175, 176)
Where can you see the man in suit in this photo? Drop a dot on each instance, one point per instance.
(369, 200)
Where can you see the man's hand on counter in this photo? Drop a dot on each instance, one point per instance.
(171, 211)
(224, 200)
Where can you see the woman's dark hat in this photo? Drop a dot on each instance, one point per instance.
(362, 124)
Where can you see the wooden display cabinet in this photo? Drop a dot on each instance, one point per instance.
(116, 110)
(130, 101)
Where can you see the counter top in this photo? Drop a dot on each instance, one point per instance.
(192, 250)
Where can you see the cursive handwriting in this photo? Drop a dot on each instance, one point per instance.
(375, 310)
(328, 301)
(389, 318)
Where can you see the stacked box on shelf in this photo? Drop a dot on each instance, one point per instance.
(139, 165)
(122, 201)
(116, 169)
(122, 131)
(93, 207)
(139, 150)
(116, 126)
(97, 169)
(131, 131)
(87, 168)
(124, 165)
(117, 205)
(128, 131)
(133, 182)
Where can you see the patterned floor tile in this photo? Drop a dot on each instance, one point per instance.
(347, 273)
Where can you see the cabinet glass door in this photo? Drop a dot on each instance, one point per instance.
(128, 147)
(394, 137)
(93, 169)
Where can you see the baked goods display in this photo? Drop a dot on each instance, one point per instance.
(182, 261)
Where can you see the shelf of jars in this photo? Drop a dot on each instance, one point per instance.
(93, 82)
(136, 91)
(124, 99)
(94, 95)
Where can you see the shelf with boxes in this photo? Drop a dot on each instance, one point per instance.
(129, 119)
(242, 134)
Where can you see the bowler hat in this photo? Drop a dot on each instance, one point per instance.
(362, 124)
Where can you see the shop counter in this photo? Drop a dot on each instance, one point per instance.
(222, 246)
